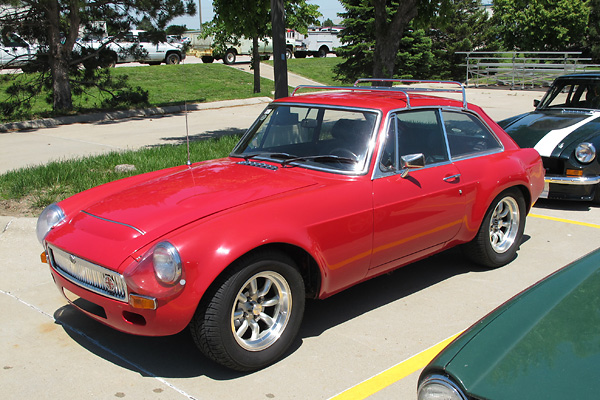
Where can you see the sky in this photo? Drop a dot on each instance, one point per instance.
(329, 9)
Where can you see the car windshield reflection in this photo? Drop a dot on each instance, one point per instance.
(313, 137)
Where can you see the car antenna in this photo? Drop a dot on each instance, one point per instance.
(187, 134)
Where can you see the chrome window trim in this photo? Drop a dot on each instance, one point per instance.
(87, 275)
(370, 147)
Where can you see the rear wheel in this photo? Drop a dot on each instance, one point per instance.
(207, 59)
(253, 314)
(500, 233)
(230, 57)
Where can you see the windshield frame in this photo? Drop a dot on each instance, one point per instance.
(362, 168)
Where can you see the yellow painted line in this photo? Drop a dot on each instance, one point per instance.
(568, 221)
(393, 374)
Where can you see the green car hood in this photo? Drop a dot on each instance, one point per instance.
(543, 344)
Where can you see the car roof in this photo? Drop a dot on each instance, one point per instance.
(380, 98)
(579, 75)
(376, 101)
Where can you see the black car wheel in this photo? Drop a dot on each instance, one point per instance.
(230, 57)
(500, 233)
(173, 58)
(253, 313)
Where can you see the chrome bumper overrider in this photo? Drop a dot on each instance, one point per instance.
(90, 276)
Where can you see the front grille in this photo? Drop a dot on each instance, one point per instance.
(90, 276)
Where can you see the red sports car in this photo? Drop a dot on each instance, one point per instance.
(324, 191)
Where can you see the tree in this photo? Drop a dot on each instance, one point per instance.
(373, 33)
(464, 26)
(593, 38)
(56, 25)
(252, 19)
(327, 23)
(542, 25)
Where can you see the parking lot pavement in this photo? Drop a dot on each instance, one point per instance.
(50, 349)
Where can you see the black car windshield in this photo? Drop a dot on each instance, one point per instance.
(315, 137)
(572, 93)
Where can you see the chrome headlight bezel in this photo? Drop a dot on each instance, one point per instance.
(585, 152)
(435, 385)
(50, 217)
(166, 262)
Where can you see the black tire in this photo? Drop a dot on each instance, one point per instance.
(231, 313)
(596, 199)
(300, 54)
(230, 57)
(172, 59)
(108, 59)
(288, 53)
(207, 59)
(501, 231)
(322, 52)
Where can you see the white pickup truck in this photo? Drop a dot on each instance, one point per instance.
(15, 52)
(136, 46)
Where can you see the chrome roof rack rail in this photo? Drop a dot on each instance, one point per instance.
(460, 89)
(397, 89)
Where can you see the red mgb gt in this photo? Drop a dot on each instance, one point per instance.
(324, 191)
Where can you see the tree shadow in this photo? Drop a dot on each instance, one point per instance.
(176, 356)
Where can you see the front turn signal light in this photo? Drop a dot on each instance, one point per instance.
(142, 302)
(44, 258)
(574, 172)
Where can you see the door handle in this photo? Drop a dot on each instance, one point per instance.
(452, 178)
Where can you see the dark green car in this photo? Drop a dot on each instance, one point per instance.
(542, 344)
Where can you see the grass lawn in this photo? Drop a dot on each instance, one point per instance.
(28, 190)
(166, 84)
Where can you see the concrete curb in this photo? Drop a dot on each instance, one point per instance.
(115, 115)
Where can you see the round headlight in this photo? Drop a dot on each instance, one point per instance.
(167, 263)
(438, 387)
(48, 219)
(585, 153)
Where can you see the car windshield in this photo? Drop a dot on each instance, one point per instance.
(573, 93)
(314, 137)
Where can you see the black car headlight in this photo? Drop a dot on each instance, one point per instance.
(48, 219)
(438, 387)
(585, 152)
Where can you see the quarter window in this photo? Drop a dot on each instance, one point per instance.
(467, 135)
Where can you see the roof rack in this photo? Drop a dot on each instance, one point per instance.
(404, 90)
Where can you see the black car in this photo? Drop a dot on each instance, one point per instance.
(565, 130)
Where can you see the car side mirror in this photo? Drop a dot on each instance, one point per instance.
(536, 103)
(411, 161)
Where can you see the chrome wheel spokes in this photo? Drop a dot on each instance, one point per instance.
(261, 311)
(504, 224)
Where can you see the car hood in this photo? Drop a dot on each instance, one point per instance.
(545, 343)
(128, 219)
(553, 133)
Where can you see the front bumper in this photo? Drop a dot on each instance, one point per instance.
(570, 188)
(113, 309)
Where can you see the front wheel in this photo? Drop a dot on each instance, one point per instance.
(230, 57)
(173, 58)
(500, 233)
(253, 314)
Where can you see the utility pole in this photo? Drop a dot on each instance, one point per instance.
(200, 13)
(279, 58)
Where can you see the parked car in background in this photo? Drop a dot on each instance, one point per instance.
(565, 130)
(135, 46)
(542, 344)
(324, 191)
(15, 52)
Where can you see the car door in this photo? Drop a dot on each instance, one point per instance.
(414, 214)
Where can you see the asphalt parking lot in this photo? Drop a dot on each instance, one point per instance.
(366, 342)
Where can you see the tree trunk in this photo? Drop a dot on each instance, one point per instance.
(256, 64)
(59, 52)
(388, 35)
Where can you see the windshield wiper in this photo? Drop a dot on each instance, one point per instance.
(325, 158)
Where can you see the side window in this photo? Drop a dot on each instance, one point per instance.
(467, 135)
(415, 132)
